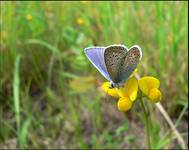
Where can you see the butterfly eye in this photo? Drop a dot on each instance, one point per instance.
(111, 86)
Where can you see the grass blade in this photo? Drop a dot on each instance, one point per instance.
(23, 132)
(43, 43)
(16, 84)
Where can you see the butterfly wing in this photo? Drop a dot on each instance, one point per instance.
(114, 56)
(129, 63)
(96, 57)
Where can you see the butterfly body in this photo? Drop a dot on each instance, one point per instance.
(115, 62)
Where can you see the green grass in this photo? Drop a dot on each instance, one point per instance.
(50, 98)
(16, 92)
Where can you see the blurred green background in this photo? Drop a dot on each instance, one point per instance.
(50, 94)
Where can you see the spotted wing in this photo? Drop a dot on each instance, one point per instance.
(114, 56)
(130, 62)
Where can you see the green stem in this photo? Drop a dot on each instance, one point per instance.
(147, 124)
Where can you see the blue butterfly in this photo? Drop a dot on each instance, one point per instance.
(115, 62)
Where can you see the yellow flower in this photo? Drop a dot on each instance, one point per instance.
(127, 93)
(84, 2)
(80, 21)
(130, 89)
(110, 91)
(149, 86)
(29, 17)
(155, 95)
(124, 104)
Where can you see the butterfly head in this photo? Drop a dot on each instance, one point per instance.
(112, 85)
(116, 85)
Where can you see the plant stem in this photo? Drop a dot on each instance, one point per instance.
(147, 124)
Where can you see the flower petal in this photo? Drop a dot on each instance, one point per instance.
(130, 89)
(122, 91)
(147, 83)
(155, 95)
(124, 104)
(110, 91)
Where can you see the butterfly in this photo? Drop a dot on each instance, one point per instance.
(115, 62)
